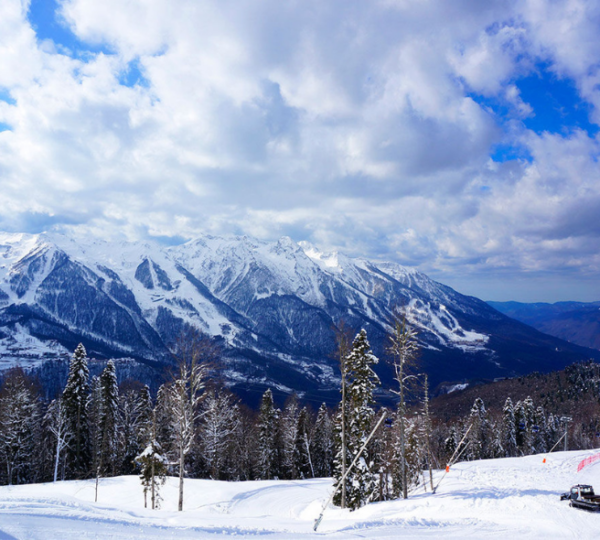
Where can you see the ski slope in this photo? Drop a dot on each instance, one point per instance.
(499, 498)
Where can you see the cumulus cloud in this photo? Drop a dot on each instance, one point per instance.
(366, 127)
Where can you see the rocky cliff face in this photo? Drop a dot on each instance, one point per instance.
(272, 307)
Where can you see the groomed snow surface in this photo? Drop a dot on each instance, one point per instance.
(502, 498)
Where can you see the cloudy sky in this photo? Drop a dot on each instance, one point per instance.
(459, 137)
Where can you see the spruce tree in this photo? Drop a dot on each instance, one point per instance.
(361, 482)
(266, 450)
(529, 409)
(521, 428)
(20, 435)
(508, 434)
(540, 431)
(153, 468)
(75, 398)
(164, 425)
(108, 421)
(144, 417)
(322, 444)
(451, 443)
(479, 436)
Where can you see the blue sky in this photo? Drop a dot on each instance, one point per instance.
(459, 138)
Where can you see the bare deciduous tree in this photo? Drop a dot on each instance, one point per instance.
(403, 349)
(195, 354)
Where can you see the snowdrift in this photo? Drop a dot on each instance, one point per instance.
(498, 498)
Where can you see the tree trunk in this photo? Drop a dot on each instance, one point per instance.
(152, 485)
(57, 460)
(342, 360)
(181, 470)
(312, 470)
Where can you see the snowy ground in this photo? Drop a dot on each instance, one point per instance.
(499, 498)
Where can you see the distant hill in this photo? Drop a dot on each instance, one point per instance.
(574, 392)
(577, 322)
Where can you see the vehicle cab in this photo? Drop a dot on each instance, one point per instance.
(579, 492)
(582, 492)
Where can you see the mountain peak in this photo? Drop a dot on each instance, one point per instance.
(272, 307)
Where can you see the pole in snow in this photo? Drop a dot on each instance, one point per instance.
(343, 478)
(454, 457)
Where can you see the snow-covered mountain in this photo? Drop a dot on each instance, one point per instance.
(271, 306)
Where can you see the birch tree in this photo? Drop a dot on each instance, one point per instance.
(403, 348)
(194, 354)
(56, 422)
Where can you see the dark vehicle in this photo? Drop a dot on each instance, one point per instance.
(582, 496)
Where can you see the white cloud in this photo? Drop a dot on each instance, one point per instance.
(349, 124)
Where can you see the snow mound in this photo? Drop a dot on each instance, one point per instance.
(502, 498)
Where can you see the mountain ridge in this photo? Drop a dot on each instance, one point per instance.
(576, 322)
(272, 307)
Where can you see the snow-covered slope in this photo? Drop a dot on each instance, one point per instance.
(271, 306)
(502, 498)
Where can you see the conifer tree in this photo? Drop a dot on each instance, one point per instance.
(108, 421)
(164, 425)
(153, 469)
(361, 482)
(529, 409)
(20, 436)
(74, 399)
(144, 417)
(522, 433)
(508, 434)
(539, 431)
(241, 450)
(322, 444)
(479, 436)
(451, 442)
(266, 450)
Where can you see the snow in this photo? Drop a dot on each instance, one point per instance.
(502, 498)
(456, 387)
(444, 326)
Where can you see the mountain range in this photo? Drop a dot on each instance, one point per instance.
(577, 322)
(271, 307)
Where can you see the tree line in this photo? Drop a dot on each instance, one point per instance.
(197, 429)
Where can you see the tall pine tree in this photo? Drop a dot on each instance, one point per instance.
(108, 424)
(322, 444)
(361, 482)
(20, 434)
(75, 398)
(266, 450)
(508, 431)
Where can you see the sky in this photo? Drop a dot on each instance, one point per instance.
(460, 138)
